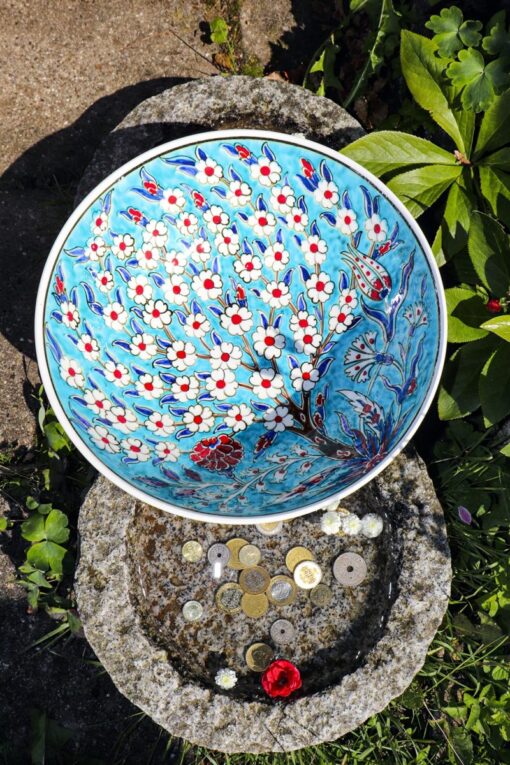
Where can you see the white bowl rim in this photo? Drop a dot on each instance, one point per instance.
(197, 138)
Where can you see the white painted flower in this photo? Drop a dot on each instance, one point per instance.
(175, 262)
(226, 679)
(70, 315)
(96, 248)
(268, 342)
(96, 401)
(239, 417)
(103, 439)
(200, 250)
(216, 219)
(249, 267)
(302, 321)
(156, 314)
(116, 373)
(150, 386)
(172, 201)
(236, 319)
(176, 290)
(326, 194)
(156, 233)
(198, 419)
(376, 228)
(238, 193)
(227, 242)
(198, 325)
(319, 287)
(100, 223)
(304, 377)
(283, 199)
(225, 356)
(278, 419)
(276, 294)
(331, 522)
(71, 372)
(346, 221)
(207, 285)
(115, 316)
(296, 219)
(104, 281)
(276, 257)
(148, 256)
(123, 419)
(209, 171)
(89, 347)
(162, 424)
(182, 355)
(340, 318)
(371, 525)
(351, 524)
(135, 449)
(307, 341)
(139, 289)
(263, 223)
(123, 246)
(221, 384)
(143, 345)
(185, 388)
(168, 451)
(348, 298)
(267, 383)
(187, 223)
(266, 171)
(314, 249)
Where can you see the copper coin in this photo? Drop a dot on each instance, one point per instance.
(249, 555)
(282, 590)
(321, 595)
(349, 569)
(254, 580)
(228, 598)
(296, 555)
(282, 631)
(254, 605)
(234, 545)
(259, 656)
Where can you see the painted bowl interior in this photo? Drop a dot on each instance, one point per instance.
(240, 325)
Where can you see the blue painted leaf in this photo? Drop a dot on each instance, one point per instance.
(167, 399)
(328, 347)
(118, 296)
(97, 308)
(267, 152)
(167, 377)
(163, 363)
(195, 307)
(261, 246)
(107, 202)
(74, 252)
(124, 273)
(139, 371)
(215, 310)
(223, 407)
(121, 344)
(201, 154)
(375, 204)
(215, 265)
(203, 375)
(346, 200)
(235, 175)
(220, 191)
(259, 407)
(137, 328)
(315, 229)
(302, 205)
(205, 397)
(343, 282)
(230, 149)
(181, 316)
(138, 312)
(301, 302)
(132, 262)
(288, 276)
(305, 274)
(260, 204)
(215, 338)
(157, 279)
(194, 270)
(329, 217)
(189, 171)
(307, 183)
(293, 362)
(367, 201)
(89, 292)
(73, 339)
(180, 161)
(324, 365)
(132, 394)
(279, 236)
(143, 410)
(264, 319)
(243, 216)
(57, 316)
(326, 172)
(247, 248)
(278, 321)
(163, 343)
(357, 239)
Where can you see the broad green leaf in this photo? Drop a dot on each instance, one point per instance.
(3, 523)
(452, 32)
(324, 63)
(458, 394)
(56, 436)
(452, 234)
(219, 31)
(38, 578)
(479, 80)
(423, 73)
(460, 746)
(420, 188)
(494, 131)
(466, 311)
(386, 150)
(494, 385)
(46, 556)
(33, 528)
(489, 252)
(497, 43)
(499, 325)
(56, 526)
(505, 449)
(495, 185)
(31, 503)
(499, 160)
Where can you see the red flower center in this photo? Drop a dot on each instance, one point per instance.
(265, 383)
(209, 171)
(328, 194)
(117, 374)
(347, 219)
(208, 284)
(265, 170)
(236, 318)
(377, 228)
(181, 354)
(172, 199)
(269, 340)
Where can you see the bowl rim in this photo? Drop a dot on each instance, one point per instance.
(194, 139)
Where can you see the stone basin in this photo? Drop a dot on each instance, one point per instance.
(355, 655)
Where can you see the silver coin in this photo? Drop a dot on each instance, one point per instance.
(192, 611)
(282, 631)
(349, 569)
(218, 553)
(281, 590)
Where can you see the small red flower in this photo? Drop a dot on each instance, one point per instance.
(59, 285)
(217, 453)
(243, 152)
(281, 678)
(493, 305)
(151, 187)
(198, 199)
(307, 168)
(383, 248)
(136, 215)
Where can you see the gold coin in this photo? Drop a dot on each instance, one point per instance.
(228, 598)
(282, 591)
(254, 580)
(307, 574)
(249, 555)
(296, 555)
(258, 656)
(254, 605)
(270, 528)
(192, 551)
(321, 595)
(234, 545)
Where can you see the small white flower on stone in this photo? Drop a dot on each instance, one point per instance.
(351, 525)
(371, 525)
(330, 522)
(226, 679)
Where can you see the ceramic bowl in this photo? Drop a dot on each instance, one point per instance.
(240, 325)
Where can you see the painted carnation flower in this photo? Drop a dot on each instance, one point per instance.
(217, 453)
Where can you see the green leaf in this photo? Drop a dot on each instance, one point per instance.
(489, 252)
(420, 188)
(219, 31)
(497, 43)
(505, 449)
(31, 503)
(500, 326)
(56, 526)
(323, 62)
(495, 185)
(451, 32)
(499, 160)
(452, 234)
(56, 436)
(494, 385)
(46, 556)
(386, 150)
(423, 73)
(3, 523)
(33, 528)
(458, 394)
(466, 311)
(494, 126)
(480, 81)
